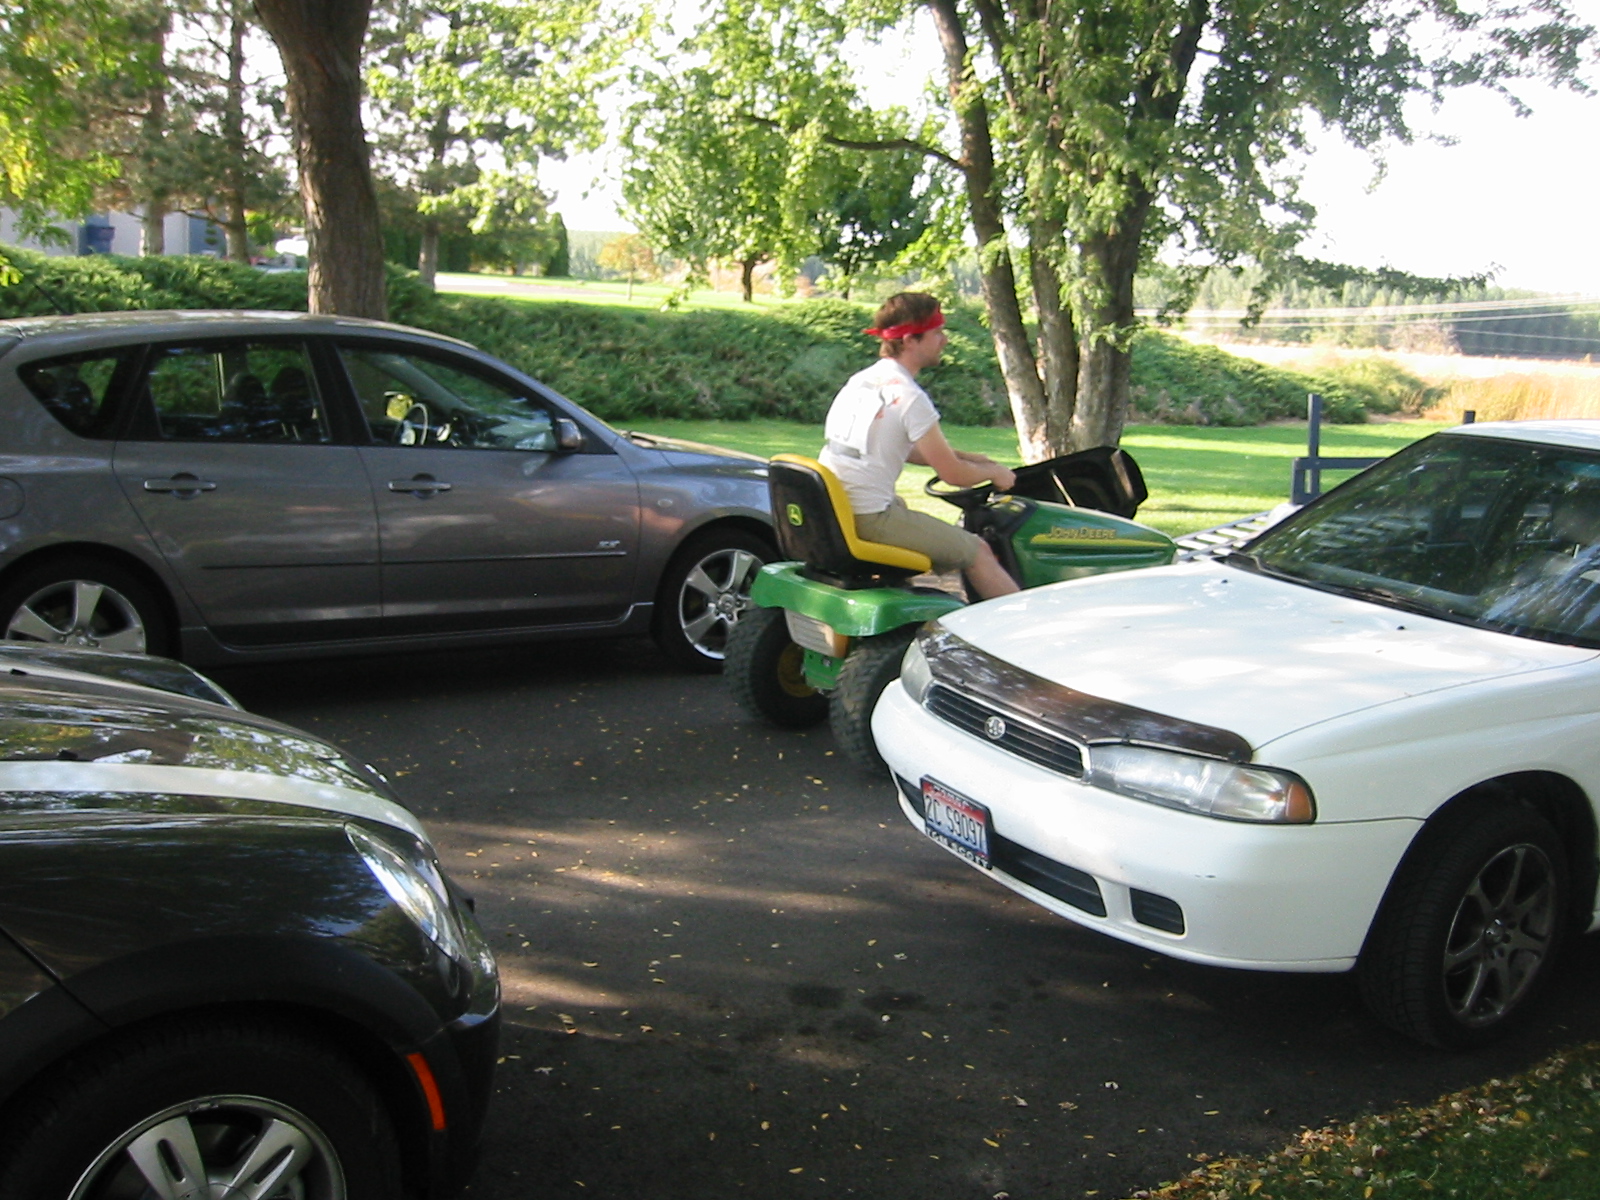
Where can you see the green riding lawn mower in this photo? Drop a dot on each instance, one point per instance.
(826, 631)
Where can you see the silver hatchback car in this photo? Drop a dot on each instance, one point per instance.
(232, 486)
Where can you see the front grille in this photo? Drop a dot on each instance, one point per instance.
(1049, 750)
(1158, 912)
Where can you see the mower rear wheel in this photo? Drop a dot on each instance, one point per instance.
(765, 671)
(872, 665)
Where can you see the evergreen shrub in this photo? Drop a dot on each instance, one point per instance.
(630, 364)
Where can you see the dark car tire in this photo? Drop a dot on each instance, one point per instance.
(764, 670)
(229, 1084)
(1471, 925)
(40, 605)
(704, 592)
(872, 665)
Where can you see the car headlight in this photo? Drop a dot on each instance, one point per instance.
(1207, 786)
(915, 674)
(414, 883)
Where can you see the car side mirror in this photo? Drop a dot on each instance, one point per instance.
(568, 436)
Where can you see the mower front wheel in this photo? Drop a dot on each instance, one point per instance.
(872, 665)
(766, 672)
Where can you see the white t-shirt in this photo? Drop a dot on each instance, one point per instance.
(875, 420)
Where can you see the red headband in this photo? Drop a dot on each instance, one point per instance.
(910, 329)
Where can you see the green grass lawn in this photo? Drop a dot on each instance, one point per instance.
(1198, 477)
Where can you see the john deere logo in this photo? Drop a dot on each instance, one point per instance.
(796, 517)
(994, 729)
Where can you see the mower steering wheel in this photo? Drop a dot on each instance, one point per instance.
(962, 498)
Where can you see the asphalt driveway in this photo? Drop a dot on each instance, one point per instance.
(731, 968)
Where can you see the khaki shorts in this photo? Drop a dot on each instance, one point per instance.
(950, 548)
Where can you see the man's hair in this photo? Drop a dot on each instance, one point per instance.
(903, 308)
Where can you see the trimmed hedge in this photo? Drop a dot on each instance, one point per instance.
(628, 364)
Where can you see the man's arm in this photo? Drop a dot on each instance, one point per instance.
(960, 469)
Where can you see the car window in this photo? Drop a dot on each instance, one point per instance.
(236, 392)
(1505, 534)
(420, 400)
(75, 390)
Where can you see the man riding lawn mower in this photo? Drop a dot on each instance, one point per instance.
(825, 632)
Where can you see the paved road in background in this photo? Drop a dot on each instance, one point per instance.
(731, 968)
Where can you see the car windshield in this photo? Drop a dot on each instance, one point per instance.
(1501, 534)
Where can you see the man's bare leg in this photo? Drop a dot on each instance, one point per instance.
(989, 577)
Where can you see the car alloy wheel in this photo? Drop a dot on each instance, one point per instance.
(216, 1146)
(1502, 933)
(1473, 919)
(79, 613)
(704, 593)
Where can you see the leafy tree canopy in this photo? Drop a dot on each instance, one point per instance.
(64, 66)
(1088, 135)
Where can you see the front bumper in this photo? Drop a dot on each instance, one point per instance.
(1274, 897)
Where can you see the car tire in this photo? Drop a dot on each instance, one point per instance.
(85, 603)
(1471, 925)
(764, 670)
(872, 665)
(221, 1097)
(704, 592)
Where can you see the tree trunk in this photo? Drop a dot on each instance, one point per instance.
(747, 278)
(428, 256)
(998, 278)
(438, 146)
(1059, 353)
(153, 227)
(320, 42)
(1104, 375)
(236, 221)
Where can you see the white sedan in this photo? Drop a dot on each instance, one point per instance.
(1368, 740)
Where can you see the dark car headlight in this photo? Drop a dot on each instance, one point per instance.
(412, 879)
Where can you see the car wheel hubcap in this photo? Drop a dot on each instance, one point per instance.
(80, 613)
(715, 594)
(1500, 936)
(239, 1147)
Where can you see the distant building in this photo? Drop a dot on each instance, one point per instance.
(119, 233)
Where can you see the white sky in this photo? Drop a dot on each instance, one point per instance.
(1515, 193)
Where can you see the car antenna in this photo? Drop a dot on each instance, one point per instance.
(50, 297)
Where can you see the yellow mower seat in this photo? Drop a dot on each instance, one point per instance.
(816, 526)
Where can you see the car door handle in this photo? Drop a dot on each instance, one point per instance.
(183, 485)
(419, 486)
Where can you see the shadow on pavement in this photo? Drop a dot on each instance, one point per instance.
(731, 967)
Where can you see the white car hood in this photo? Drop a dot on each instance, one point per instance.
(1224, 647)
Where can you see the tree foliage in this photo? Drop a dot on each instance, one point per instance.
(207, 135)
(66, 66)
(735, 154)
(1087, 135)
(470, 95)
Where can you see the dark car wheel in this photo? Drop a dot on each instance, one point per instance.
(1470, 927)
(872, 665)
(766, 672)
(704, 592)
(85, 603)
(244, 1108)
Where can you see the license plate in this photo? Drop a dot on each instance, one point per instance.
(956, 822)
